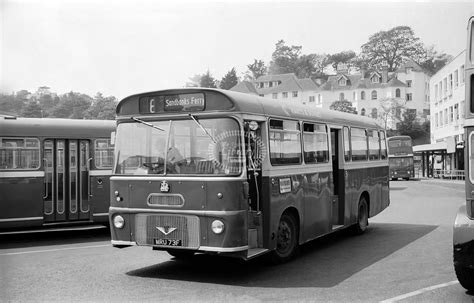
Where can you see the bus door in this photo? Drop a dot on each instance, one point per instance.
(67, 190)
(338, 179)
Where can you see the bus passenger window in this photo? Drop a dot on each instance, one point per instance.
(383, 146)
(285, 142)
(19, 153)
(374, 145)
(347, 145)
(359, 144)
(315, 142)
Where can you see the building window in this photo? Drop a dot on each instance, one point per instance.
(397, 93)
(375, 79)
(342, 82)
(341, 96)
(456, 112)
(462, 73)
(445, 86)
(311, 99)
(362, 112)
(451, 114)
(261, 95)
(354, 96)
(408, 83)
(408, 70)
(436, 92)
(436, 120)
(320, 99)
(456, 78)
(445, 116)
(440, 89)
(409, 97)
(450, 83)
(270, 84)
(362, 95)
(374, 113)
(441, 118)
(275, 95)
(285, 94)
(374, 95)
(295, 94)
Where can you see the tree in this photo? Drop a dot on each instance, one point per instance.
(434, 60)
(391, 48)
(229, 80)
(409, 126)
(257, 69)
(102, 108)
(207, 80)
(391, 111)
(32, 110)
(72, 105)
(11, 105)
(345, 57)
(343, 106)
(284, 58)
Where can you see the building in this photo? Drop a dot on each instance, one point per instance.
(283, 86)
(447, 102)
(379, 94)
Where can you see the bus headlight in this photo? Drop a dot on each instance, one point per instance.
(119, 222)
(217, 226)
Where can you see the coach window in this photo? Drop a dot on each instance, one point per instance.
(347, 145)
(374, 145)
(315, 143)
(19, 153)
(359, 144)
(285, 142)
(383, 146)
(104, 153)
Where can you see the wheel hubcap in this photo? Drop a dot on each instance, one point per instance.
(284, 237)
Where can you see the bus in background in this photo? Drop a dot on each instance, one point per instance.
(53, 172)
(220, 172)
(463, 233)
(400, 157)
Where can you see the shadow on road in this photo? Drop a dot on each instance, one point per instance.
(324, 262)
(54, 238)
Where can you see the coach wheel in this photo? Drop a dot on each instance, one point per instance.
(465, 277)
(181, 253)
(362, 217)
(394, 179)
(287, 240)
(407, 179)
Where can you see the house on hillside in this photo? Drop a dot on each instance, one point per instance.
(283, 86)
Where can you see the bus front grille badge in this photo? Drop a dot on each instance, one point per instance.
(164, 188)
(166, 230)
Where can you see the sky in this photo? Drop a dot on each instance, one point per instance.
(123, 47)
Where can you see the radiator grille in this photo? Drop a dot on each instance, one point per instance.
(175, 200)
(187, 229)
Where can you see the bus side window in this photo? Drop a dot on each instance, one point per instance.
(315, 143)
(359, 144)
(285, 142)
(383, 145)
(374, 145)
(347, 145)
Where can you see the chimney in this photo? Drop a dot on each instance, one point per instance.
(384, 74)
(362, 73)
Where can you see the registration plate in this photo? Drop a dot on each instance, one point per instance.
(168, 242)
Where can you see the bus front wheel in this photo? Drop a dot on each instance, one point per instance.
(287, 240)
(362, 217)
(465, 276)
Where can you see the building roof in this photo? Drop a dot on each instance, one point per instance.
(412, 64)
(357, 82)
(245, 87)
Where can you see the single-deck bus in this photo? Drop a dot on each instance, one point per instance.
(54, 172)
(220, 172)
(400, 157)
(463, 234)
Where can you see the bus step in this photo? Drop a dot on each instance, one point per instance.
(334, 227)
(255, 252)
(252, 237)
(54, 229)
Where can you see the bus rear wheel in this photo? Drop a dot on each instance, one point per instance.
(362, 217)
(287, 240)
(465, 276)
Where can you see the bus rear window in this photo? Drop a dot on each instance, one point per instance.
(285, 142)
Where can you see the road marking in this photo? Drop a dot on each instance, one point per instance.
(50, 250)
(418, 292)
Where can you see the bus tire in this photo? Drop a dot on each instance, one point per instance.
(407, 179)
(287, 240)
(465, 276)
(181, 254)
(362, 217)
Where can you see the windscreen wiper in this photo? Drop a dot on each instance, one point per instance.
(205, 130)
(147, 124)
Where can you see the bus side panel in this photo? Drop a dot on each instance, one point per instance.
(100, 190)
(317, 206)
(21, 198)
